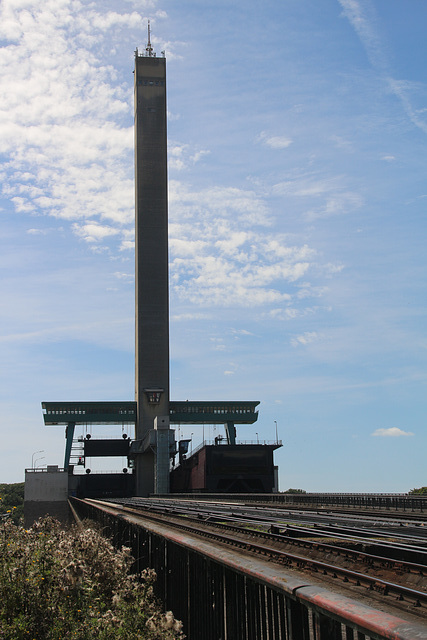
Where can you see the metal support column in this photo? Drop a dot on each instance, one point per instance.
(69, 434)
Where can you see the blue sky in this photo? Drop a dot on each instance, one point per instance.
(297, 203)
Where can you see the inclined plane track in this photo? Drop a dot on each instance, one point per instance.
(383, 562)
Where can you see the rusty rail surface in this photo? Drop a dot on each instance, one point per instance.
(247, 599)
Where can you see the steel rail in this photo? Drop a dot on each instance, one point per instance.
(267, 514)
(384, 549)
(222, 515)
(337, 532)
(405, 552)
(371, 559)
(380, 530)
(417, 598)
(382, 522)
(358, 512)
(317, 532)
(373, 532)
(389, 504)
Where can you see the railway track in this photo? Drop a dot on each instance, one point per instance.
(354, 512)
(383, 548)
(403, 581)
(273, 520)
(267, 511)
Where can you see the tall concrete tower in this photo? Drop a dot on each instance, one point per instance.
(151, 255)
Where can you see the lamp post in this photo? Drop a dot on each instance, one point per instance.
(38, 460)
(257, 439)
(32, 457)
(277, 438)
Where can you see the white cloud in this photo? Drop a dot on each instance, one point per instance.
(70, 160)
(393, 432)
(325, 197)
(37, 232)
(111, 19)
(275, 142)
(222, 202)
(309, 186)
(65, 154)
(331, 268)
(241, 332)
(338, 204)
(197, 155)
(305, 338)
(363, 18)
(145, 4)
(182, 156)
(94, 232)
(127, 245)
(287, 313)
(248, 275)
(218, 257)
(342, 143)
(222, 252)
(186, 317)
(218, 344)
(129, 277)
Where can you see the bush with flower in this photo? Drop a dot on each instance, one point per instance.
(63, 584)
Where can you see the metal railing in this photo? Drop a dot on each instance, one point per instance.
(223, 441)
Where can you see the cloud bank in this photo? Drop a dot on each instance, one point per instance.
(66, 131)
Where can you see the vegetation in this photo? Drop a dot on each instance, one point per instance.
(58, 584)
(12, 501)
(295, 491)
(417, 491)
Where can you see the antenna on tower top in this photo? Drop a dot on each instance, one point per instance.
(149, 48)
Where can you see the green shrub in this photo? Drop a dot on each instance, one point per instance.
(58, 584)
(12, 501)
(295, 491)
(421, 490)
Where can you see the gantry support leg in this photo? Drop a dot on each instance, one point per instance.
(230, 432)
(69, 435)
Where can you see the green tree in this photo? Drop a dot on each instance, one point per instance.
(418, 491)
(295, 491)
(12, 501)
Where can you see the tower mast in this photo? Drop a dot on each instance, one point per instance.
(151, 260)
(149, 48)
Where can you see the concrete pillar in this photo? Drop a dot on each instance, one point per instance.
(151, 259)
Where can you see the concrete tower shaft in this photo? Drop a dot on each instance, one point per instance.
(151, 256)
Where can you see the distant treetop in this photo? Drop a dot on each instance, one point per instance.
(417, 491)
(295, 491)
